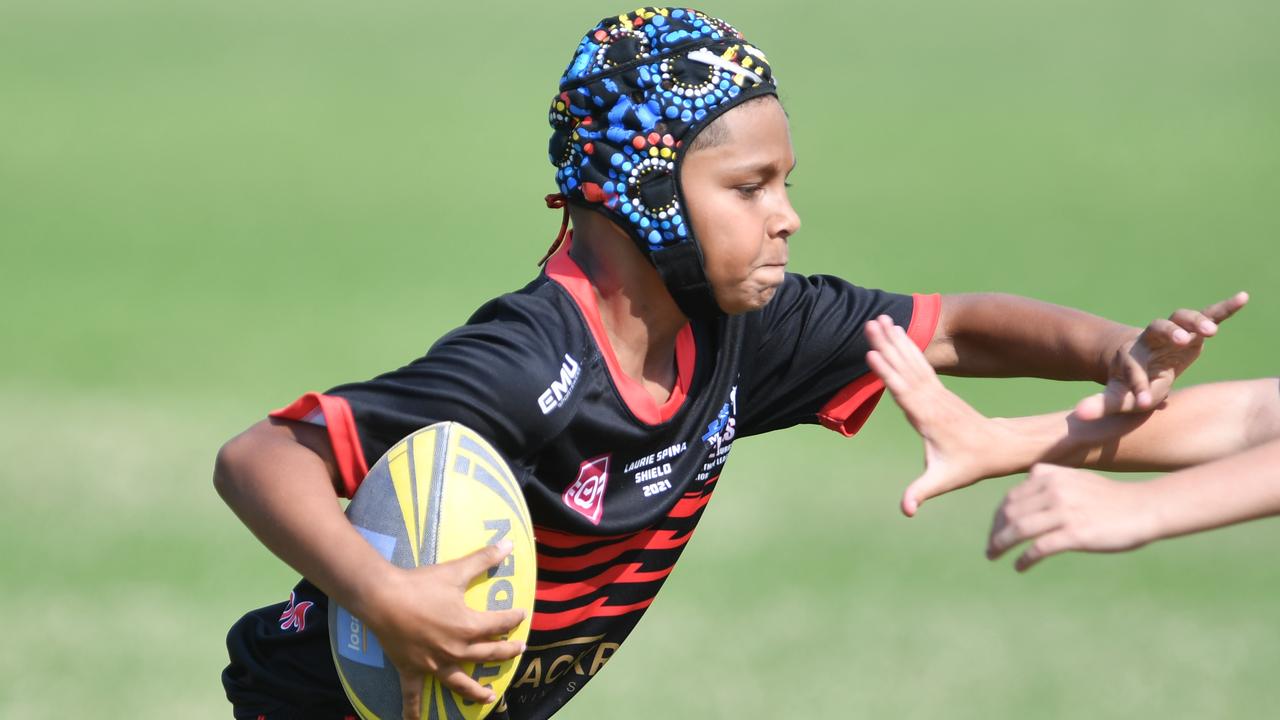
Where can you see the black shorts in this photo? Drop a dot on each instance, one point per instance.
(281, 666)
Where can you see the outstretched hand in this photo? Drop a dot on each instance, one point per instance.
(427, 629)
(1143, 370)
(960, 444)
(1059, 509)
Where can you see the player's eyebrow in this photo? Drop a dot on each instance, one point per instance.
(763, 167)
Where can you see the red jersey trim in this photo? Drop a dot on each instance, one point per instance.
(343, 436)
(848, 409)
(562, 269)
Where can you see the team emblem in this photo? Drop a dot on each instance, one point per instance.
(295, 615)
(586, 495)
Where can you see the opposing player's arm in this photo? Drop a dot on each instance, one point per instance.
(995, 335)
(1060, 509)
(280, 477)
(963, 446)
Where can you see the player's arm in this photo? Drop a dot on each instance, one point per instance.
(962, 446)
(1060, 509)
(995, 335)
(281, 479)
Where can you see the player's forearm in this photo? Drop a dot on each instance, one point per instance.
(996, 335)
(283, 493)
(1194, 426)
(1242, 487)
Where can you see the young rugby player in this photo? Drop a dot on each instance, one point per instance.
(1224, 439)
(615, 383)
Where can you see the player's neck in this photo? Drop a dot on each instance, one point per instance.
(639, 315)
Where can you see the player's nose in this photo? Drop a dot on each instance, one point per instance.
(786, 221)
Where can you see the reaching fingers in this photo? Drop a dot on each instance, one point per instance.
(458, 681)
(473, 565)
(1220, 311)
(891, 377)
(1044, 546)
(1192, 322)
(411, 694)
(1019, 527)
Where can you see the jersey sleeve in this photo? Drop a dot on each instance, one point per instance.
(483, 375)
(809, 364)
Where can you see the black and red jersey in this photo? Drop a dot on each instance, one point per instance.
(615, 482)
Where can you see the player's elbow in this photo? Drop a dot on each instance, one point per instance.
(231, 465)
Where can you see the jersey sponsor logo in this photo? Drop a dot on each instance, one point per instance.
(586, 495)
(567, 664)
(719, 436)
(295, 615)
(558, 392)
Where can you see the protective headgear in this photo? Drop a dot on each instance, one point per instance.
(639, 88)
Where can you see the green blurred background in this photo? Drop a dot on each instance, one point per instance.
(207, 208)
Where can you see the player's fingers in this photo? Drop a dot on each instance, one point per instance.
(911, 354)
(495, 651)
(1018, 527)
(1220, 311)
(1033, 485)
(411, 695)
(1044, 546)
(473, 565)
(495, 622)
(929, 485)
(1119, 398)
(1172, 330)
(1193, 322)
(458, 681)
(1092, 407)
(892, 379)
(887, 348)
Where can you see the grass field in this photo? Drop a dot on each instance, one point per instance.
(207, 208)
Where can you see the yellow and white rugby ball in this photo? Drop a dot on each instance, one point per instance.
(439, 494)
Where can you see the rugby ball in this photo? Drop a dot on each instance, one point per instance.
(439, 494)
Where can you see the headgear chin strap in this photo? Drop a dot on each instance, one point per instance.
(639, 88)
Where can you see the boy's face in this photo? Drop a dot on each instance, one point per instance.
(736, 200)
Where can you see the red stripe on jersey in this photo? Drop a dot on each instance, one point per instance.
(690, 504)
(343, 437)
(568, 541)
(630, 573)
(646, 540)
(848, 409)
(569, 618)
(564, 271)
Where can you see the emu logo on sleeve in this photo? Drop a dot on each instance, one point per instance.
(559, 390)
(586, 495)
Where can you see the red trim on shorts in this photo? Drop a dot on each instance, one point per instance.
(343, 436)
(847, 411)
(562, 269)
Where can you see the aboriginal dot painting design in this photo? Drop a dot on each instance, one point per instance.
(639, 86)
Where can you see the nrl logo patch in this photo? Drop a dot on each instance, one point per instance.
(295, 615)
(586, 495)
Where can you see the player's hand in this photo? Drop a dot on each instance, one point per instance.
(1060, 509)
(426, 628)
(1143, 369)
(961, 446)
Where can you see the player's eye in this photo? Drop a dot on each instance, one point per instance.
(749, 190)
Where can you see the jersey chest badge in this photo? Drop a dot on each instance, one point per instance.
(586, 495)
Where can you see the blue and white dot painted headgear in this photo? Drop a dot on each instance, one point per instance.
(639, 88)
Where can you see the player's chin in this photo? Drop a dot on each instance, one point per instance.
(753, 297)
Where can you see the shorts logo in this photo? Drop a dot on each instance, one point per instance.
(295, 615)
(558, 392)
(586, 495)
